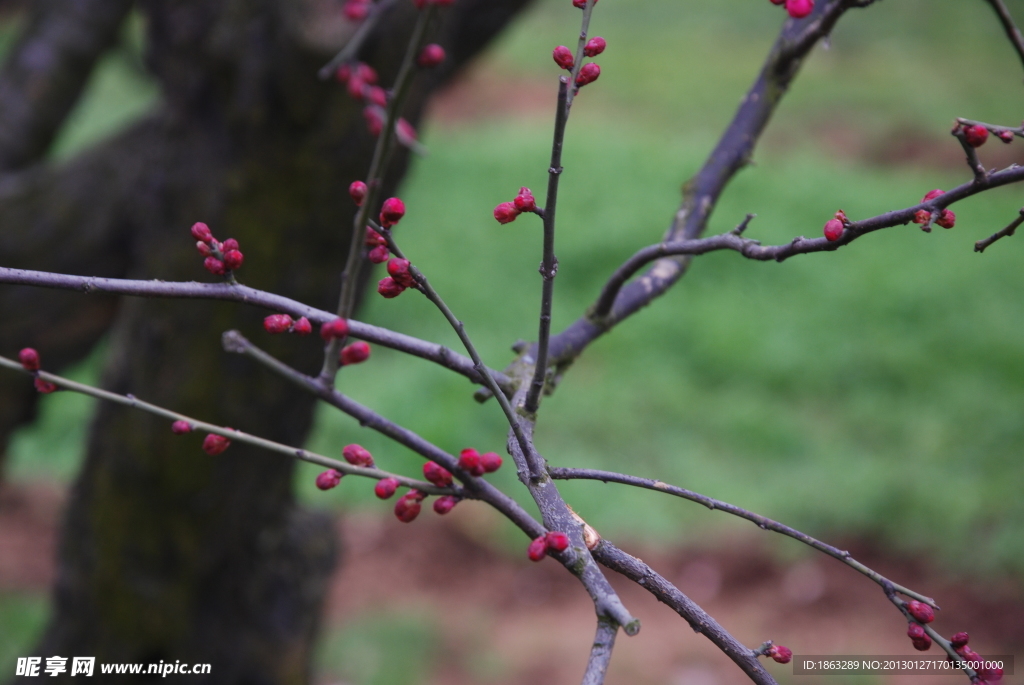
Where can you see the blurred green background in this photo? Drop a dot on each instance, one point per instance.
(873, 393)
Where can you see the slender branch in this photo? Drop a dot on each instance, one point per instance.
(416, 347)
(975, 165)
(588, 10)
(356, 261)
(549, 267)
(355, 43)
(601, 652)
(1005, 233)
(761, 521)
(1012, 32)
(643, 575)
(232, 434)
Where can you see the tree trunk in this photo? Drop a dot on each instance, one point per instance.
(166, 553)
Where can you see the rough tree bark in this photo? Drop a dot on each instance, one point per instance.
(167, 554)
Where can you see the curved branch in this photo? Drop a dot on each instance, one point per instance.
(438, 354)
(1012, 32)
(762, 522)
(601, 652)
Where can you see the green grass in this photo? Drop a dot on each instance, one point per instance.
(22, 618)
(363, 651)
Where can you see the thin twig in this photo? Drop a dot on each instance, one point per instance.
(1012, 32)
(1005, 233)
(975, 165)
(355, 43)
(416, 347)
(232, 434)
(761, 521)
(601, 652)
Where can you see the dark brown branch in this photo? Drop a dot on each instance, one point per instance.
(1005, 233)
(643, 575)
(762, 522)
(601, 652)
(45, 73)
(1012, 32)
(240, 293)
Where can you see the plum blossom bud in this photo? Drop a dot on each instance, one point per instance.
(588, 74)
(922, 216)
(391, 212)
(181, 427)
(203, 248)
(357, 455)
(229, 244)
(506, 212)
(328, 479)
(915, 631)
(798, 9)
(201, 231)
(386, 487)
(398, 269)
(537, 549)
(277, 323)
(357, 191)
(581, 3)
(29, 359)
(373, 239)
(525, 201)
(781, 654)
(470, 461)
(920, 611)
(975, 135)
(563, 57)
(430, 56)
(214, 266)
(214, 444)
(379, 254)
(922, 644)
(233, 259)
(374, 120)
(302, 326)
(959, 640)
(947, 219)
(557, 541)
(389, 287)
(376, 95)
(407, 508)
(442, 505)
(437, 474)
(335, 329)
(833, 229)
(595, 46)
(356, 353)
(356, 10)
(932, 194)
(491, 461)
(44, 387)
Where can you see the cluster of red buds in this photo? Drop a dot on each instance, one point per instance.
(220, 257)
(922, 613)
(977, 135)
(29, 359)
(590, 71)
(507, 212)
(553, 541)
(985, 675)
(282, 323)
(360, 80)
(357, 455)
(798, 9)
(476, 464)
(835, 226)
(947, 219)
(409, 505)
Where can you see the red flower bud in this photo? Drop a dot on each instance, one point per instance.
(398, 269)
(44, 387)
(588, 74)
(377, 96)
(430, 56)
(203, 248)
(537, 549)
(470, 462)
(975, 135)
(389, 287)
(405, 133)
(932, 194)
(581, 3)
(841, 216)
(356, 353)
(1005, 136)
(356, 10)
(922, 644)
(357, 191)
(201, 231)
(833, 229)
(920, 611)
(798, 9)
(233, 259)
(595, 46)
(437, 474)
(373, 239)
(407, 509)
(525, 201)
(29, 359)
(335, 329)
(922, 216)
(506, 212)
(364, 72)
(959, 640)
(214, 444)
(563, 57)
(385, 487)
(379, 254)
(391, 212)
(181, 427)
(328, 479)
(229, 244)
(374, 120)
(915, 631)
(277, 323)
(214, 266)
(343, 73)
(557, 541)
(947, 219)
(302, 326)
(781, 654)
(491, 461)
(442, 505)
(357, 455)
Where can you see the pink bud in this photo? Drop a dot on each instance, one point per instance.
(595, 46)
(958, 640)
(563, 57)
(229, 244)
(389, 287)
(379, 254)
(377, 96)
(181, 427)
(1005, 136)
(356, 10)
(922, 216)
(374, 120)
(976, 135)
(922, 644)
(525, 201)
(588, 74)
(470, 462)
(506, 212)
(537, 549)
(44, 387)
(915, 631)
(29, 359)
(442, 505)
(214, 266)
(201, 231)
(491, 461)
(833, 229)
(947, 219)
(581, 3)
(781, 654)
(277, 323)
(557, 541)
(357, 191)
(214, 444)
(328, 479)
(357, 455)
(374, 239)
(398, 269)
(386, 487)
(932, 194)
(233, 259)
(391, 212)
(343, 74)
(335, 329)
(364, 72)
(437, 474)
(430, 56)
(405, 133)
(920, 611)
(798, 9)
(302, 326)
(407, 509)
(203, 248)
(356, 353)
